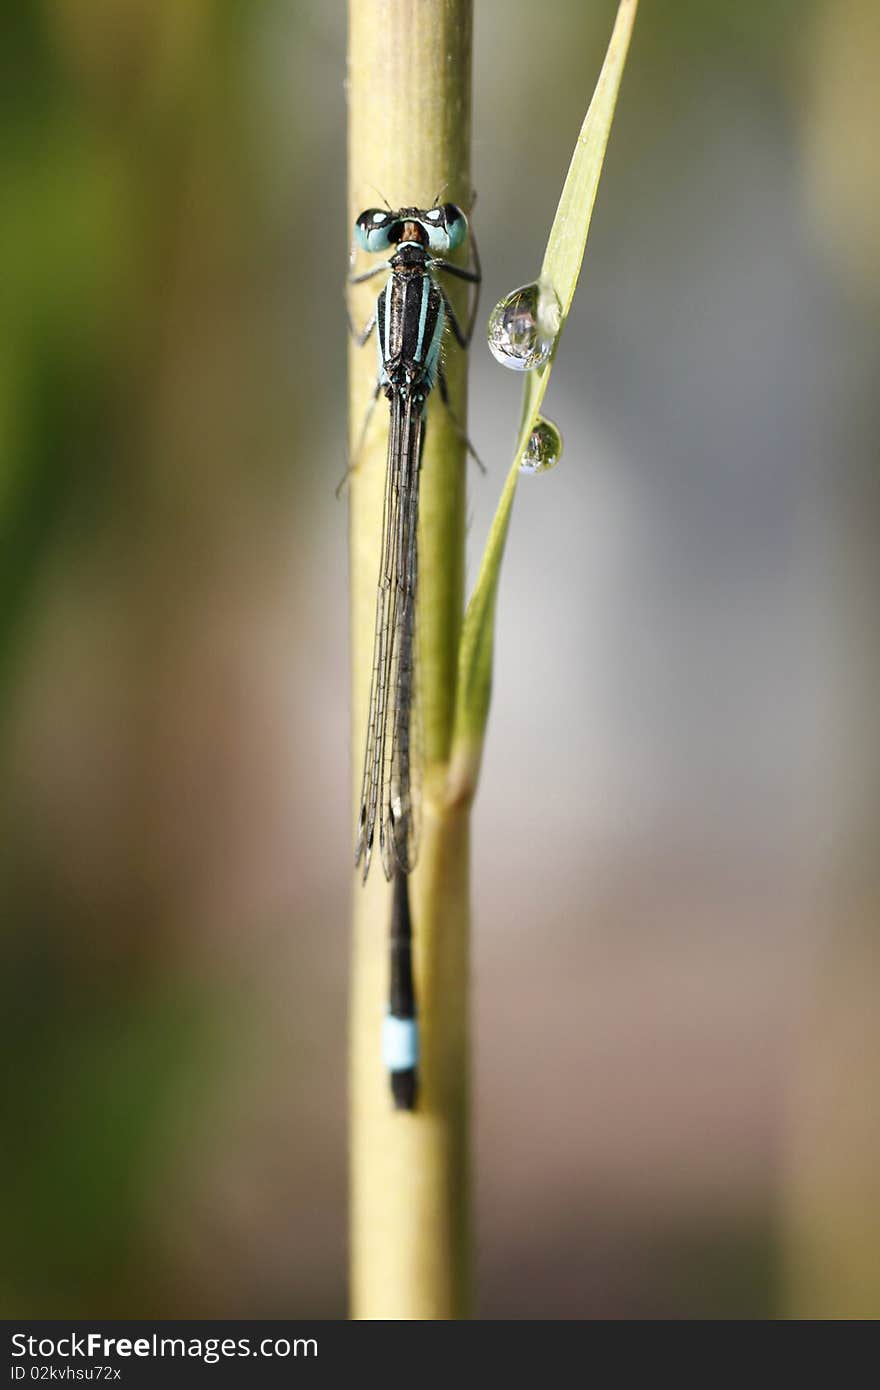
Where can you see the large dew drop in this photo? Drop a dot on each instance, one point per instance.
(544, 449)
(523, 326)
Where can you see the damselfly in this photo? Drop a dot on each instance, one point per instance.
(410, 319)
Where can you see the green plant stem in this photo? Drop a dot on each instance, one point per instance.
(409, 72)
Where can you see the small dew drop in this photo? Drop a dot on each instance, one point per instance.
(544, 449)
(523, 326)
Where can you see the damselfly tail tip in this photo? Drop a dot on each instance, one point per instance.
(400, 1053)
(404, 1088)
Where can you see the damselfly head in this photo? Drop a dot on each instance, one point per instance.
(440, 229)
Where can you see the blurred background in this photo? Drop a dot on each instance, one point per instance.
(675, 853)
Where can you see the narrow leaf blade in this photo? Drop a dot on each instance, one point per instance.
(561, 268)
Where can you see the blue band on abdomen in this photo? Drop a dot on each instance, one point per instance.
(400, 1043)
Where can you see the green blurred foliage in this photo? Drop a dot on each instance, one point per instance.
(121, 144)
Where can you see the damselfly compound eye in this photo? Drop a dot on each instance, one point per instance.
(373, 217)
(523, 327)
(544, 449)
(456, 224)
(371, 230)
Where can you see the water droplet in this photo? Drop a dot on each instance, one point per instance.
(523, 326)
(544, 449)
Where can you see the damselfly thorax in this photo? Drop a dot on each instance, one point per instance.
(410, 320)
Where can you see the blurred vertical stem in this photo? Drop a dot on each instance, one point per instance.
(409, 93)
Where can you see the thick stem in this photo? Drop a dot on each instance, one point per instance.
(409, 140)
(410, 1252)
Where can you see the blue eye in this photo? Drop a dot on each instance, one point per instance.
(446, 227)
(456, 225)
(372, 230)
